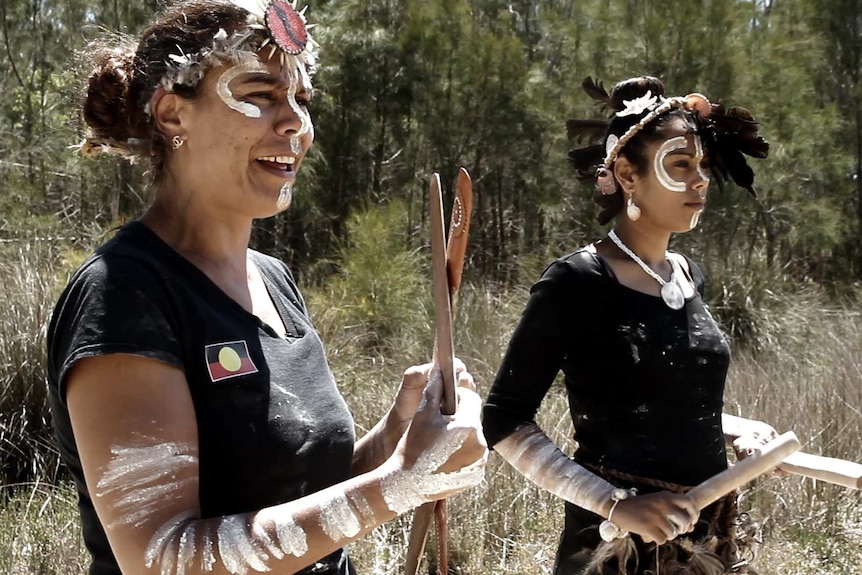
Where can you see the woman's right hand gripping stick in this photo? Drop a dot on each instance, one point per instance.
(657, 517)
(439, 455)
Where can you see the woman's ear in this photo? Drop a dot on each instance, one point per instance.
(167, 113)
(624, 172)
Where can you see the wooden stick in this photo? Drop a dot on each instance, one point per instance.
(758, 463)
(422, 518)
(444, 351)
(837, 471)
(447, 263)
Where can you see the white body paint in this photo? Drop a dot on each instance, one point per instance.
(423, 482)
(533, 453)
(137, 479)
(237, 548)
(337, 519)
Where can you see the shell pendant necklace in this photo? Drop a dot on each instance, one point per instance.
(671, 293)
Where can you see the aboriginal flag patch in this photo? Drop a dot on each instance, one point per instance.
(229, 359)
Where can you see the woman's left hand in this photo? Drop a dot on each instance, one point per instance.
(413, 385)
(753, 435)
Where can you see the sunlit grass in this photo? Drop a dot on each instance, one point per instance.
(803, 374)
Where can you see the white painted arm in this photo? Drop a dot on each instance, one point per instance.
(138, 444)
(529, 450)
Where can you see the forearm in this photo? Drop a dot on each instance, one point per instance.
(283, 538)
(529, 450)
(378, 444)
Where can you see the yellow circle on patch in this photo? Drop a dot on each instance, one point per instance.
(229, 359)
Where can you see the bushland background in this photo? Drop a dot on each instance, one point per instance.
(408, 87)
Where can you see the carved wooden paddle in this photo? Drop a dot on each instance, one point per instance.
(447, 264)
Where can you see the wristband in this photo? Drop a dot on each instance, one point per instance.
(608, 530)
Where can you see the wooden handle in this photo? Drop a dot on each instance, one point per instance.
(772, 454)
(422, 518)
(837, 471)
(444, 347)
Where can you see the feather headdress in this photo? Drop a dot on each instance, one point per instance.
(728, 134)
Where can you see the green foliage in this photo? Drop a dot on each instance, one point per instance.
(380, 290)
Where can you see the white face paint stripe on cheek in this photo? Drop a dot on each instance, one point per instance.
(661, 174)
(224, 92)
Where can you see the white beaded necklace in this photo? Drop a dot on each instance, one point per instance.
(671, 293)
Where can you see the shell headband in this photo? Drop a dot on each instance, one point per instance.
(275, 23)
(727, 134)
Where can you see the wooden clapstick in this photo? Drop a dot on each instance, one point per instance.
(837, 471)
(756, 464)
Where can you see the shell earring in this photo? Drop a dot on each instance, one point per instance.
(177, 142)
(632, 211)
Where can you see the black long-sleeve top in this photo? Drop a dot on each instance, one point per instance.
(644, 382)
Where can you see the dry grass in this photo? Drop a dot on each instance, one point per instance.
(40, 532)
(803, 375)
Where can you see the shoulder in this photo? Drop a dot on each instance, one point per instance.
(124, 263)
(582, 267)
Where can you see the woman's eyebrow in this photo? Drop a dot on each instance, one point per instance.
(264, 79)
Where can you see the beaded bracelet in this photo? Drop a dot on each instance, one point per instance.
(607, 529)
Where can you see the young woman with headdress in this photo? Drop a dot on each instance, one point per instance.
(191, 396)
(643, 360)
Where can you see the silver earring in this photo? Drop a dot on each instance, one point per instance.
(177, 142)
(632, 211)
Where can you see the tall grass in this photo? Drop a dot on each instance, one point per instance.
(797, 364)
(29, 283)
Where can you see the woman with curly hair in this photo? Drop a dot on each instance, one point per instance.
(191, 396)
(644, 362)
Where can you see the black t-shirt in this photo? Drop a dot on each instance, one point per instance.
(272, 426)
(644, 382)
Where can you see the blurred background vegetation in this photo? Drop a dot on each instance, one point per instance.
(408, 87)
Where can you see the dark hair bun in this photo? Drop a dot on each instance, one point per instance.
(108, 109)
(634, 88)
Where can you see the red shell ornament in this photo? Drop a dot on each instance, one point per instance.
(286, 27)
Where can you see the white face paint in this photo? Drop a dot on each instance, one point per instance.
(661, 174)
(224, 91)
(695, 219)
(698, 155)
(670, 146)
(285, 196)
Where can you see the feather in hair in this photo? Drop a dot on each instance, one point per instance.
(596, 91)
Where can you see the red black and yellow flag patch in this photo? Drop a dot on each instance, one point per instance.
(229, 359)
